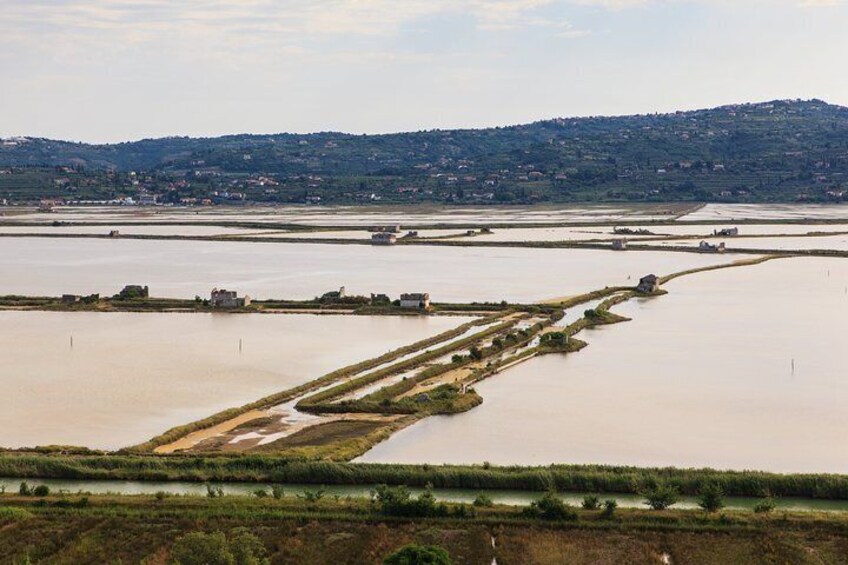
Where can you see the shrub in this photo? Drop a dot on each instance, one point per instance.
(591, 502)
(200, 548)
(161, 495)
(609, 508)
(214, 492)
(551, 507)
(41, 490)
(277, 491)
(554, 339)
(260, 493)
(711, 498)
(419, 555)
(661, 496)
(483, 500)
(24, 489)
(313, 495)
(765, 505)
(247, 549)
(462, 511)
(397, 501)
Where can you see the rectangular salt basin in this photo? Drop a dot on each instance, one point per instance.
(124, 229)
(823, 242)
(701, 377)
(127, 377)
(608, 233)
(184, 269)
(364, 215)
(729, 212)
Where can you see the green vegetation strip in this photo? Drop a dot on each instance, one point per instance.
(267, 469)
(316, 402)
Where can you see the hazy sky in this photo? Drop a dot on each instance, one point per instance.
(112, 70)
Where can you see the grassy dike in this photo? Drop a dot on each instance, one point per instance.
(180, 431)
(358, 306)
(144, 529)
(322, 401)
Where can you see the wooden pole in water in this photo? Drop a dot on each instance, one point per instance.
(72, 342)
(239, 345)
(793, 366)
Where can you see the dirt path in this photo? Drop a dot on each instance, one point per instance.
(192, 439)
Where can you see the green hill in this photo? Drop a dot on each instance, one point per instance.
(774, 151)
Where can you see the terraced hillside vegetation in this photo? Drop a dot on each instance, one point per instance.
(773, 151)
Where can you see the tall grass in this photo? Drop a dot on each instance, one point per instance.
(269, 469)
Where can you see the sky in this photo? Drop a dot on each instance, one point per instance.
(118, 70)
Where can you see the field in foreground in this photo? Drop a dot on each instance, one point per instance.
(143, 529)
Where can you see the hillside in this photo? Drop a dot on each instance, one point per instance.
(774, 151)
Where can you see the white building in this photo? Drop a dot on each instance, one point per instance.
(419, 300)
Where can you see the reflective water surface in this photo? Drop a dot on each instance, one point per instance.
(824, 242)
(739, 368)
(467, 496)
(359, 215)
(125, 229)
(722, 212)
(184, 269)
(108, 380)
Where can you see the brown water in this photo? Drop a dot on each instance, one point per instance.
(128, 377)
(183, 269)
(701, 377)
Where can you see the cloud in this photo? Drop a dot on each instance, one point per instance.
(623, 4)
(235, 33)
(611, 4)
(315, 17)
(822, 3)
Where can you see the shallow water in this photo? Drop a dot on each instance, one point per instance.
(607, 232)
(362, 215)
(125, 229)
(701, 377)
(725, 212)
(825, 242)
(184, 269)
(128, 377)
